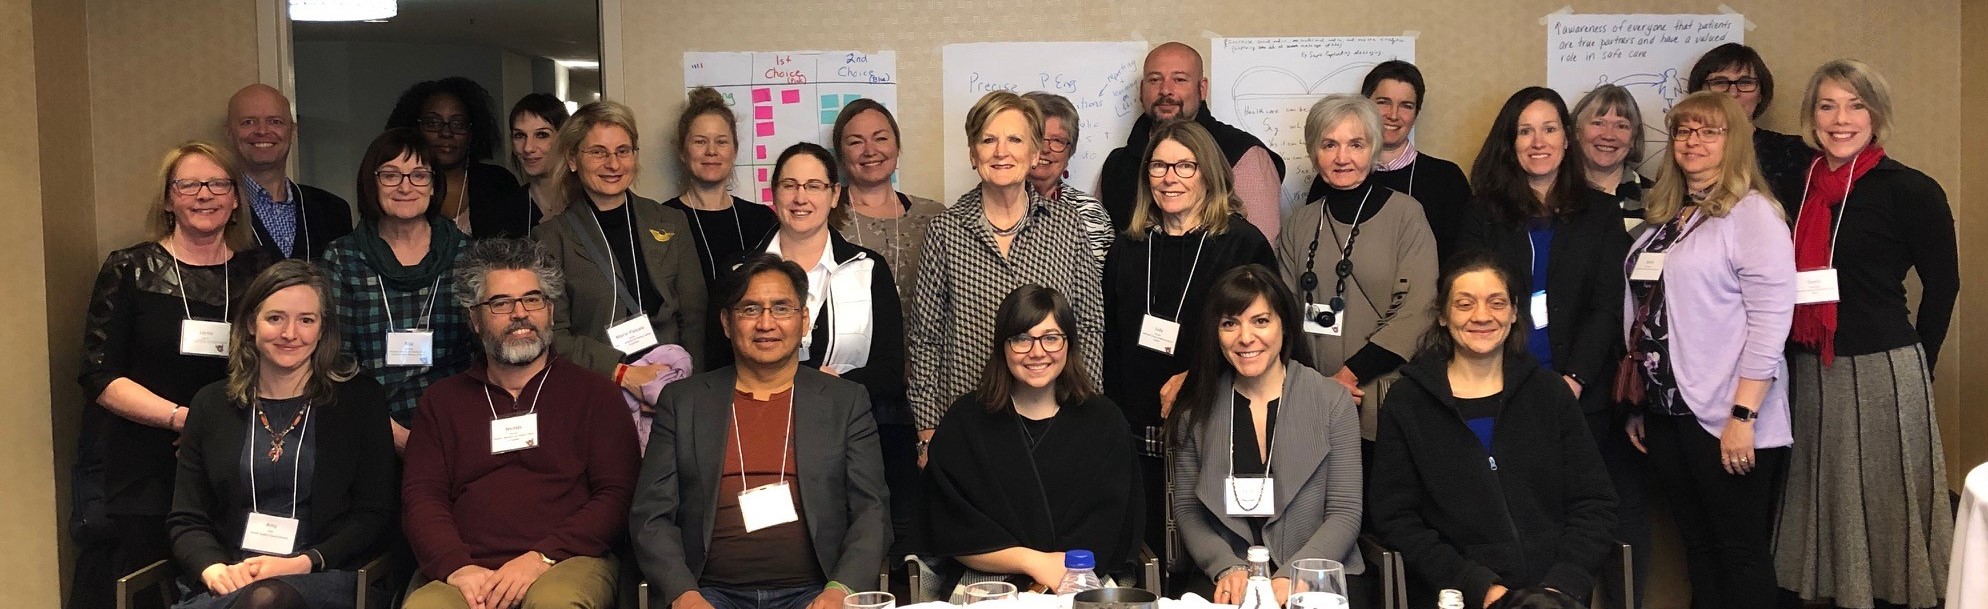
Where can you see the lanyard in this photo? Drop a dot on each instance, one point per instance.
(546, 376)
(1184, 286)
(427, 315)
(180, 276)
(1849, 184)
(710, 254)
(296, 467)
(739, 439)
(614, 269)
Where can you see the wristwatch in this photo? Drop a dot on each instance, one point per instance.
(1744, 414)
(548, 559)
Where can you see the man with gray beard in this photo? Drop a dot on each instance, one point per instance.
(519, 471)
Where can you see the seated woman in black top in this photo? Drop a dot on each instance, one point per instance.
(1485, 477)
(459, 120)
(1033, 462)
(291, 449)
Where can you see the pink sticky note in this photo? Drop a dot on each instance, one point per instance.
(759, 152)
(762, 95)
(790, 96)
(762, 174)
(765, 194)
(764, 113)
(764, 128)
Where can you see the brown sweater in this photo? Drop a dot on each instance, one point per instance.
(566, 497)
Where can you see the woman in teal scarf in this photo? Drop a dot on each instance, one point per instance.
(392, 280)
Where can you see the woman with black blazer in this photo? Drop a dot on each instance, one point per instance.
(293, 449)
(1485, 478)
(459, 120)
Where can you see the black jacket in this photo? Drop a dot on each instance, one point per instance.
(1121, 177)
(1584, 284)
(1537, 511)
(326, 218)
(355, 485)
(497, 204)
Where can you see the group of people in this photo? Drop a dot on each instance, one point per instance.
(1481, 372)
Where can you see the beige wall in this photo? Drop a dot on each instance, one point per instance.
(28, 528)
(69, 231)
(1965, 425)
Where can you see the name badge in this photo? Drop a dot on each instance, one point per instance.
(1311, 320)
(514, 433)
(1250, 496)
(1158, 334)
(203, 338)
(411, 348)
(1817, 286)
(272, 535)
(1538, 309)
(1649, 267)
(632, 335)
(766, 506)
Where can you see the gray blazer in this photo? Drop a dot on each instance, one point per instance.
(580, 320)
(843, 497)
(1316, 468)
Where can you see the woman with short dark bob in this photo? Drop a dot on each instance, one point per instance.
(1485, 478)
(1265, 450)
(294, 434)
(1738, 71)
(1024, 467)
(459, 120)
(535, 122)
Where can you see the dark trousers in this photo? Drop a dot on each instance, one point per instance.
(138, 541)
(1727, 521)
(907, 500)
(776, 598)
(1626, 467)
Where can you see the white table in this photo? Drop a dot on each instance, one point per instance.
(1967, 588)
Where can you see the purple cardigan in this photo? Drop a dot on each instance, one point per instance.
(1730, 291)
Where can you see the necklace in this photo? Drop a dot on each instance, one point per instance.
(276, 437)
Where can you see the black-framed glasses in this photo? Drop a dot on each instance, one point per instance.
(813, 187)
(1051, 343)
(1184, 169)
(1056, 144)
(504, 305)
(779, 310)
(436, 125)
(599, 154)
(419, 177)
(1705, 134)
(1725, 85)
(219, 186)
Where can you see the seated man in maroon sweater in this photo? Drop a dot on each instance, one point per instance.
(518, 471)
(763, 487)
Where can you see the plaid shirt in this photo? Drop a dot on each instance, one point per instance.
(363, 309)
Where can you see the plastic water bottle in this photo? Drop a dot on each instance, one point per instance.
(1079, 573)
(1259, 594)
(1450, 599)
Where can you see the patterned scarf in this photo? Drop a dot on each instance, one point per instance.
(1815, 324)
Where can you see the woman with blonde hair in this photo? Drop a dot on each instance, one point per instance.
(723, 226)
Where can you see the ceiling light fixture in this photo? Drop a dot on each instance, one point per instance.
(343, 10)
(582, 64)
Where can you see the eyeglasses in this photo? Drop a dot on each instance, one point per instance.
(778, 310)
(532, 301)
(1023, 343)
(436, 125)
(421, 177)
(1705, 134)
(1056, 144)
(1184, 169)
(1743, 85)
(814, 187)
(599, 154)
(189, 188)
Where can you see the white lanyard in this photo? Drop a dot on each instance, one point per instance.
(1184, 286)
(706, 239)
(614, 269)
(427, 316)
(296, 467)
(1268, 455)
(534, 407)
(180, 276)
(1850, 183)
(739, 439)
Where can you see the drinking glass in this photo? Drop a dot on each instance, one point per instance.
(990, 591)
(1318, 583)
(869, 600)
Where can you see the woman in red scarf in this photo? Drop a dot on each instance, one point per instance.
(1865, 519)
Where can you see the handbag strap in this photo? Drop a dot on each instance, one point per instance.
(1637, 330)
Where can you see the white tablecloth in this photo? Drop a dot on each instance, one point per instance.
(1967, 578)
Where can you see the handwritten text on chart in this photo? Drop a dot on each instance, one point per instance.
(1098, 78)
(1629, 38)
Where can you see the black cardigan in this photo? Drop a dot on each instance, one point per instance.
(1439, 185)
(1583, 284)
(326, 218)
(355, 486)
(514, 216)
(1540, 514)
(494, 200)
(1897, 219)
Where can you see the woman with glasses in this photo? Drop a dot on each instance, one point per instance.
(457, 118)
(392, 276)
(1738, 71)
(632, 278)
(872, 213)
(1360, 258)
(722, 225)
(1709, 302)
(1050, 174)
(1022, 469)
(156, 332)
(535, 122)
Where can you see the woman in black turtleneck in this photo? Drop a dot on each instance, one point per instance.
(1373, 312)
(1396, 89)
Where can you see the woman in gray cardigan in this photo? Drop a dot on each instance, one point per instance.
(1248, 468)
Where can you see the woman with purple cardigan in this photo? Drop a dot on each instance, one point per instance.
(1710, 300)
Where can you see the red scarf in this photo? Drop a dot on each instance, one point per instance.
(1815, 324)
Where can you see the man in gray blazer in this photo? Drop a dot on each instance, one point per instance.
(763, 485)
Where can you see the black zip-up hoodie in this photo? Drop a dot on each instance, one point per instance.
(1538, 510)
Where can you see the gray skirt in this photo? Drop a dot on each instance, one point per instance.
(1865, 515)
